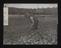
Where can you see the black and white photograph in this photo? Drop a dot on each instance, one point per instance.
(30, 24)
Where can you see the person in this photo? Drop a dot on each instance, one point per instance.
(33, 21)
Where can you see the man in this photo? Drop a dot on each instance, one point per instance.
(33, 21)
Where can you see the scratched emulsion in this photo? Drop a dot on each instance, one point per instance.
(5, 16)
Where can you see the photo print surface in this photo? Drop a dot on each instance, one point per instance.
(30, 24)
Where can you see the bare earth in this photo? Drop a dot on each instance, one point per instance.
(18, 31)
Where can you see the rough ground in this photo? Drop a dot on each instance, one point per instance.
(18, 31)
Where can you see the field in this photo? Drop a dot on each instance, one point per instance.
(18, 31)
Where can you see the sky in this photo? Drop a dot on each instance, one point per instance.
(32, 5)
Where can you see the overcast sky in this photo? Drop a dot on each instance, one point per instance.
(31, 5)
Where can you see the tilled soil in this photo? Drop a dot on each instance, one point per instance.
(19, 31)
